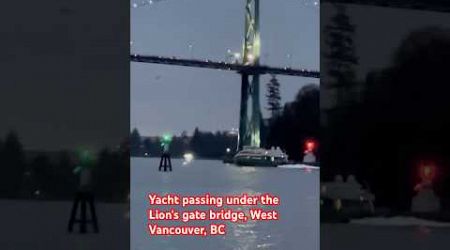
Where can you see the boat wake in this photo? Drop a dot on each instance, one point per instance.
(300, 166)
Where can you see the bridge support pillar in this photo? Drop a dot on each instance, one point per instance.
(249, 131)
(243, 116)
(255, 120)
(249, 127)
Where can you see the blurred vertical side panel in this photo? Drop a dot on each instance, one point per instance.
(385, 173)
(64, 106)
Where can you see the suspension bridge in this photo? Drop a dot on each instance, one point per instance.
(250, 68)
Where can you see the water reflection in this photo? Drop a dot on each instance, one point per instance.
(299, 212)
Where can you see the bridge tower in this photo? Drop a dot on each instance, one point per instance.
(249, 127)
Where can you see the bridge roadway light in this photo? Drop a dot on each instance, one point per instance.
(237, 57)
(229, 56)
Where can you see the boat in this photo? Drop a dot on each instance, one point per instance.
(254, 156)
(342, 200)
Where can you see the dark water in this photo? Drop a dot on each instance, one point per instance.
(358, 237)
(298, 227)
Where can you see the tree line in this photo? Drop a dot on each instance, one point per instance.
(202, 144)
(397, 122)
(288, 128)
(50, 175)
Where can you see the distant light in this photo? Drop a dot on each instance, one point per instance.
(146, 154)
(135, 5)
(250, 57)
(166, 138)
(427, 172)
(310, 145)
(188, 157)
(237, 55)
(228, 150)
(233, 131)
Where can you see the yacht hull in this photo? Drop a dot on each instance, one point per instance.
(254, 162)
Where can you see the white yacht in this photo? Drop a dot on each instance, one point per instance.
(254, 156)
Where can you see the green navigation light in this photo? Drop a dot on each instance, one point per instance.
(85, 157)
(166, 138)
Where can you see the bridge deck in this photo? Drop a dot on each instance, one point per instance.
(240, 68)
(427, 5)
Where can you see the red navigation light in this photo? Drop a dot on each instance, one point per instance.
(310, 145)
(427, 172)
